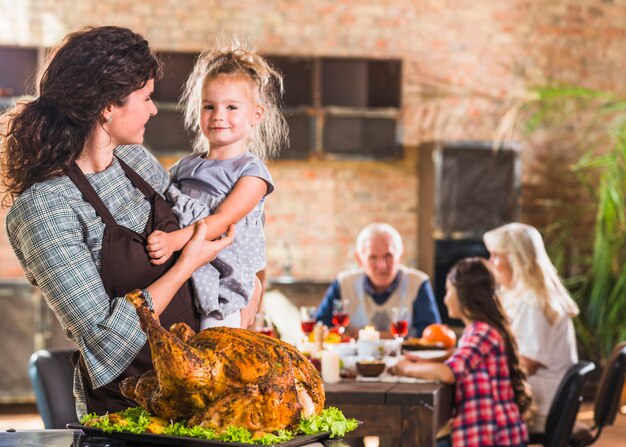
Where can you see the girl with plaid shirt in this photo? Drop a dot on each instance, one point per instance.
(492, 395)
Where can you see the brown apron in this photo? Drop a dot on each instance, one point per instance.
(125, 266)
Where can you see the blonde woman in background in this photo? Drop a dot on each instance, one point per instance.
(539, 307)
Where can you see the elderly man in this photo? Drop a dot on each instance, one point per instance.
(381, 283)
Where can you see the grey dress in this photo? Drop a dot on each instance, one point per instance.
(224, 285)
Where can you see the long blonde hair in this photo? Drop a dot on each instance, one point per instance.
(271, 135)
(532, 269)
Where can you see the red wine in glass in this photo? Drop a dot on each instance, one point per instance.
(400, 328)
(263, 325)
(307, 326)
(341, 319)
(267, 331)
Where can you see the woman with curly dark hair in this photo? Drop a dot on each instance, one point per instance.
(85, 194)
(492, 396)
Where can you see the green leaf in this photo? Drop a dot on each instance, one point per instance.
(332, 420)
(136, 419)
(599, 286)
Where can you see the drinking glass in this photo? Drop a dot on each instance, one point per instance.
(307, 319)
(399, 322)
(341, 317)
(263, 325)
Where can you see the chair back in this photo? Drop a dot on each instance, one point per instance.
(565, 406)
(610, 388)
(52, 376)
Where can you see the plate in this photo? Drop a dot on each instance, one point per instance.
(188, 441)
(413, 344)
(434, 355)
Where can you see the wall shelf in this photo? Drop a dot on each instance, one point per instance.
(335, 107)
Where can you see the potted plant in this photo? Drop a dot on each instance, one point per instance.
(599, 286)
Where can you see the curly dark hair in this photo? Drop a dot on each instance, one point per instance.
(92, 68)
(476, 291)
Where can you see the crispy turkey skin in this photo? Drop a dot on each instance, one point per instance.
(223, 376)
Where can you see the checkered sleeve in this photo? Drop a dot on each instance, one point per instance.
(46, 235)
(476, 344)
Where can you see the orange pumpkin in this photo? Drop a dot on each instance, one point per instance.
(439, 334)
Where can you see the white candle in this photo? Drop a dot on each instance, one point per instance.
(330, 366)
(368, 333)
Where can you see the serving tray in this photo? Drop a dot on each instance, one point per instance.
(151, 438)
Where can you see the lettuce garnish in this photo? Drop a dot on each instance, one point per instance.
(332, 420)
(136, 420)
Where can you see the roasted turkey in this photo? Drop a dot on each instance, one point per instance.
(223, 376)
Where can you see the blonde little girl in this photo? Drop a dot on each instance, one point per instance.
(231, 104)
(491, 394)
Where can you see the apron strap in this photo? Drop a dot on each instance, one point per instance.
(90, 194)
(147, 190)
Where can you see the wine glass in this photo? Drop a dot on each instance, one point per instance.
(263, 325)
(307, 319)
(399, 322)
(341, 317)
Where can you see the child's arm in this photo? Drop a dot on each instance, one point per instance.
(247, 192)
(423, 370)
(161, 245)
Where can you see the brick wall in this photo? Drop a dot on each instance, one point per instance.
(464, 63)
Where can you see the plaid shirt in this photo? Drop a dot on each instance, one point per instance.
(486, 412)
(57, 238)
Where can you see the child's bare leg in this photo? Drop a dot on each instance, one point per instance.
(248, 312)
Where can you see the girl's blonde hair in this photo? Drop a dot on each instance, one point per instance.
(271, 135)
(531, 267)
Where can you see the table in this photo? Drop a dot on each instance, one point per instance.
(413, 412)
(74, 438)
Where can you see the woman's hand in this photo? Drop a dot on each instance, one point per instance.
(198, 251)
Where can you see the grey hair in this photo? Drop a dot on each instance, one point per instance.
(268, 138)
(377, 229)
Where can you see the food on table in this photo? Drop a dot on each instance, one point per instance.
(438, 355)
(439, 334)
(223, 377)
(370, 368)
(138, 421)
(435, 336)
(331, 335)
(417, 344)
(135, 420)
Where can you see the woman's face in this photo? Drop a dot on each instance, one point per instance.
(501, 268)
(129, 120)
(451, 300)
